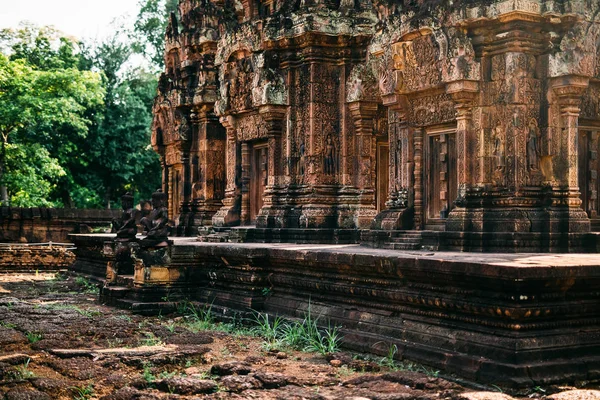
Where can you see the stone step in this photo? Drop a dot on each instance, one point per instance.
(406, 246)
(406, 240)
(124, 280)
(116, 292)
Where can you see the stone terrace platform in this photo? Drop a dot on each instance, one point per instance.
(514, 319)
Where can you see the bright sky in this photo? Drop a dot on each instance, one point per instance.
(80, 18)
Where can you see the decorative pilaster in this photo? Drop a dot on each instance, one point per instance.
(464, 93)
(229, 214)
(566, 202)
(363, 113)
(245, 184)
(418, 179)
(273, 214)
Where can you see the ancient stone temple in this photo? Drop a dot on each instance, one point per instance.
(473, 123)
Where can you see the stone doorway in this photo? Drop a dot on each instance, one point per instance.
(439, 178)
(259, 175)
(587, 152)
(383, 175)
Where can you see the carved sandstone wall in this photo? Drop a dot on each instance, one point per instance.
(40, 225)
(480, 116)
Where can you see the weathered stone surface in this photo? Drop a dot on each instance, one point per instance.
(16, 257)
(187, 385)
(40, 225)
(231, 368)
(239, 383)
(457, 312)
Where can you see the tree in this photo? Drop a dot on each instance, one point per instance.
(35, 104)
(149, 30)
(118, 153)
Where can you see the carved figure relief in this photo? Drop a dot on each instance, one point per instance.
(300, 164)
(185, 130)
(534, 138)
(329, 165)
(499, 154)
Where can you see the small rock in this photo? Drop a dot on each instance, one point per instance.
(25, 394)
(192, 371)
(239, 383)
(231, 368)
(208, 358)
(187, 386)
(484, 396)
(576, 395)
(335, 363)
(128, 393)
(254, 360)
(281, 355)
(271, 380)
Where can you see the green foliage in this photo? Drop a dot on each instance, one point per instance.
(33, 337)
(304, 335)
(74, 121)
(86, 285)
(148, 35)
(83, 392)
(22, 372)
(150, 339)
(40, 108)
(148, 375)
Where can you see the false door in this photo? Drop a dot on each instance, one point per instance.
(439, 178)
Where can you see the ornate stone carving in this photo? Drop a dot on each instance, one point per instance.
(432, 109)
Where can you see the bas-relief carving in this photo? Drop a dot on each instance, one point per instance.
(431, 110)
(250, 127)
(590, 105)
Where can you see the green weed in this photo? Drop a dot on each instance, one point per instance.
(151, 340)
(33, 337)
(86, 285)
(83, 392)
(22, 372)
(148, 375)
(7, 325)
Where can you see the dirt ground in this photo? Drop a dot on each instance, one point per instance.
(58, 342)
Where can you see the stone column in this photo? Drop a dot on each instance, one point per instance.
(464, 93)
(186, 187)
(273, 214)
(229, 214)
(565, 188)
(363, 113)
(418, 178)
